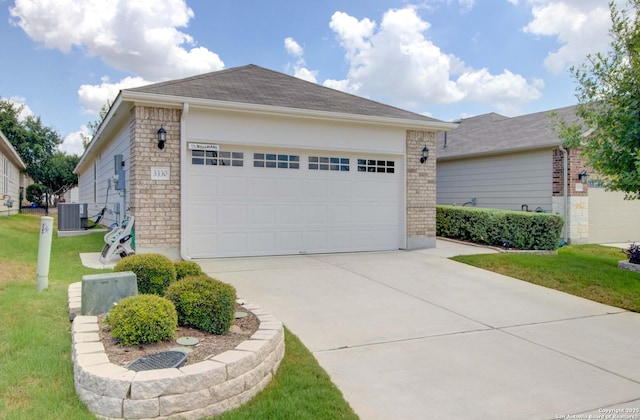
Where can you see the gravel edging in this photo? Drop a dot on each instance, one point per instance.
(204, 389)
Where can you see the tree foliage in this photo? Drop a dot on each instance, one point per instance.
(608, 94)
(37, 146)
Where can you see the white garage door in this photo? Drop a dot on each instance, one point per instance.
(244, 202)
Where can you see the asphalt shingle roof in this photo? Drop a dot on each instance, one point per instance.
(494, 133)
(252, 84)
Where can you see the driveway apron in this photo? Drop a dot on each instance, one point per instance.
(413, 335)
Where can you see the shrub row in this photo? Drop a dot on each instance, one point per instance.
(511, 229)
(170, 295)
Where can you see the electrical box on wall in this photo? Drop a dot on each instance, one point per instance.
(118, 179)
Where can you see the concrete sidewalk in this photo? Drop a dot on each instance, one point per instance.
(413, 335)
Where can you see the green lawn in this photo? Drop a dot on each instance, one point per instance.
(589, 271)
(36, 379)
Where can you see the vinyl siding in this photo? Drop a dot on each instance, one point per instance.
(104, 165)
(503, 182)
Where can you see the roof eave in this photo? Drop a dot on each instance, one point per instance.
(498, 152)
(15, 157)
(177, 101)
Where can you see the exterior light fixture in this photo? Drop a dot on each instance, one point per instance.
(162, 137)
(425, 154)
(583, 176)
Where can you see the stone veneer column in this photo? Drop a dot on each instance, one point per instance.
(155, 204)
(421, 190)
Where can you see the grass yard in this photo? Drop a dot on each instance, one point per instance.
(35, 343)
(588, 271)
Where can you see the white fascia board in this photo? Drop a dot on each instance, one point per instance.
(177, 102)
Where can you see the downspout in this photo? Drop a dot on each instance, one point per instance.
(183, 180)
(565, 175)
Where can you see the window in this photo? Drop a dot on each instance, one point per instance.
(213, 158)
(321, 163)
(272, 160)
(374, 165)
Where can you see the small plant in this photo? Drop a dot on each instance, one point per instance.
(633, 253)
(204, 303)
(154, 272)
(143, 319)
(186, 269)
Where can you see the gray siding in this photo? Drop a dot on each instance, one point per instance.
(503, 182)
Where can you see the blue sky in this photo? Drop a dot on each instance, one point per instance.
(449, 59)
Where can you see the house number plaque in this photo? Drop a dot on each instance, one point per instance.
(160, 173)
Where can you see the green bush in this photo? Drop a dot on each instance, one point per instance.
(186, 269)
(511, 229)
(143, 319)
(204, 303)
(35, 193)
(154, 272)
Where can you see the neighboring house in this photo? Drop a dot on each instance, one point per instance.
(12, 168)
(257, 162)
(518, 163)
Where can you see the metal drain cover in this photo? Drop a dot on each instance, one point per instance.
(162, 360)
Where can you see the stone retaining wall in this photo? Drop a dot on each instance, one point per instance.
(195, 391)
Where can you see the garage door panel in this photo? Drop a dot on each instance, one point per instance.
(315, 215)
(263, 215)
(263, 187)
(232, 243)
(232, 215)
(289, 215)
(289, 242)
(288, 189)
(249, 210)
(233, 186)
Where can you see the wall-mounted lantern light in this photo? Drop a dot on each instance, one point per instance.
(583, 176)
(162, 137)
(425, 154)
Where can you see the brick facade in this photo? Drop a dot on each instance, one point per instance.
(155, 204)
(575, 165)
(421, 190)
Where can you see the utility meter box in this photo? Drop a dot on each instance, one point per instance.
(72, 216)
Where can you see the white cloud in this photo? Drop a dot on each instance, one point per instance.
(22, 102)
(580, 27)
(140, 37)
(293, 48)
(94, 97)
(396, 62)
(299, 67)
(72, 143)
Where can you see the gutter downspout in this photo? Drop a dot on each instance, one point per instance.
(565, 175)
(183, 180)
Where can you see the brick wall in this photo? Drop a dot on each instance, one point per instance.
(421, 190)
(155, 204)
(575, 165)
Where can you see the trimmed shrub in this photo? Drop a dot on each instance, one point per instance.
(204, 303)
(509, 229)
(143, 319)
(186, 269)
(154, 272)
(35, 193)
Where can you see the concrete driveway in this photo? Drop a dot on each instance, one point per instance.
(413, 335)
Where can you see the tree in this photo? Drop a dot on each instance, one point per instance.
(58, 173)
(608, 94)
(34, 142)
(94, 125)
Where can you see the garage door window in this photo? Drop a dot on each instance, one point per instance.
(322, 163)
(272, 160)
(202, 157)
(378, 166)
